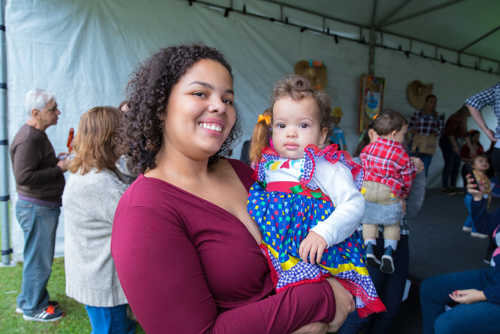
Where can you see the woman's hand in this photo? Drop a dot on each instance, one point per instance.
(344, 304)
(472, 188)
(312, 248)
(468, 296)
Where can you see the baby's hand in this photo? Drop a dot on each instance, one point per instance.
(419, 165)
(312, 247)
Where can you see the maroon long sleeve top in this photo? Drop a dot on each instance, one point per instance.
(189, 266)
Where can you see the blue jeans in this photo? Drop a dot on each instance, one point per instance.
(479, 317)
(468, 221)
(390, 288)
(426, 159)
(39, 224)
(110, 320)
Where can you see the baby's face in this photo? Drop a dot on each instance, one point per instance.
(481, 164)
(296, 124)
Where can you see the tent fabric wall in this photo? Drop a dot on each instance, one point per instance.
(84, 52)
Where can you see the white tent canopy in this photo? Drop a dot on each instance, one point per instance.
(84, 51)
(470, 27)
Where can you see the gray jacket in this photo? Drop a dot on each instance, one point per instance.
(89, 203)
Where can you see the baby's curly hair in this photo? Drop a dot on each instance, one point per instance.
(298, 87)
(148, 92)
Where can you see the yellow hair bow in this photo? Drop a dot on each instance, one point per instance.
(264, 118)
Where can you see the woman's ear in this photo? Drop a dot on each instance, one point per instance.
(163, 116)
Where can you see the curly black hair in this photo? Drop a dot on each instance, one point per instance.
(147, 94)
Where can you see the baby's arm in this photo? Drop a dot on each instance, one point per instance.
(336, 181)
(408, 173)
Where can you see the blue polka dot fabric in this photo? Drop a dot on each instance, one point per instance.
(284, 220)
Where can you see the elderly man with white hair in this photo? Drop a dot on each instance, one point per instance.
(40, 184)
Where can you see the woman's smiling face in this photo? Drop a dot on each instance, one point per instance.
(200, 112)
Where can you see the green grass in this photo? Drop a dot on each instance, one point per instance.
(74, 321)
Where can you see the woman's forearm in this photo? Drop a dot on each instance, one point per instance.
(476, 115)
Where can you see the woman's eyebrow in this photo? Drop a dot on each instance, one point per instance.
(207, 85)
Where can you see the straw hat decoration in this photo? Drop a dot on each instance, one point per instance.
(314, 71)
(416, 93)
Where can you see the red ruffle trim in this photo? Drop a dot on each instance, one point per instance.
(372, 305)
(331, 153)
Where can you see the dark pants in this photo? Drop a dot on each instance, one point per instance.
(451, 163)
(390, 288)
(479, 317)
(426, 159)
(495, 160)
(463, 172)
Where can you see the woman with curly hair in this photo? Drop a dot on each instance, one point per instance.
(186, 251)
(89, 200)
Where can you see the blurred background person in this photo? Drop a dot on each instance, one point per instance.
(453, 136)
(425, 126)
(40, 182)
(90, 199)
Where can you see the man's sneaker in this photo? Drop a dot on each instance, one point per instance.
(51, 302)
(467, 229)
(371, 259)
(478, 235)
(387, 265)
(50, 313)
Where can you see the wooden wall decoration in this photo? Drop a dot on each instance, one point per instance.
(416, 92)
(314, 71)
(371, 99)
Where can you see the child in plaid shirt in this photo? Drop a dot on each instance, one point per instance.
(389, 172)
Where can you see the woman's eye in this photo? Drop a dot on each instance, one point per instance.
(228, 101)
(200, 94)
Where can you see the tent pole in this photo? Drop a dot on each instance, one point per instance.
(373, 40)
(4, 145)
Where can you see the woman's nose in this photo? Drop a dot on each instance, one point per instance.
(216, 105)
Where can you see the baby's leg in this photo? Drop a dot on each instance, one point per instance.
(391, 238)
(370, 233)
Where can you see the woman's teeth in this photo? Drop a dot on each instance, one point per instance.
(211, 126)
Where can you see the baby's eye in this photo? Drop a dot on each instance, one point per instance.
(281, 125)
(304, 125)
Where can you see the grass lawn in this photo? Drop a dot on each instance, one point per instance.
(75, 320)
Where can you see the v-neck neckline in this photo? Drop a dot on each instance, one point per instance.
(196, 197)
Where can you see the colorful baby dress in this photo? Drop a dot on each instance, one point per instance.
(286, 203)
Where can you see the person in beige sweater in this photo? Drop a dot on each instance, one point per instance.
(89, 201)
